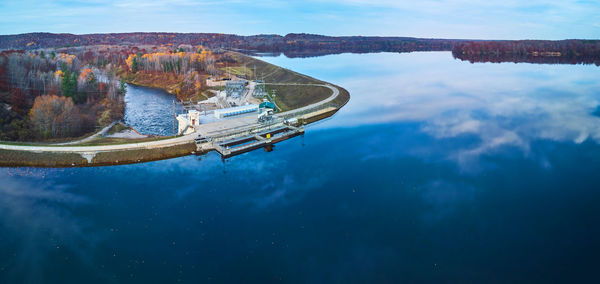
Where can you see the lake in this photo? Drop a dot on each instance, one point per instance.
(437, 170)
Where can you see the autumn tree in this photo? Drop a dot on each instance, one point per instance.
(18, 101)
(87, 85)
(13, 126)
(53, 116)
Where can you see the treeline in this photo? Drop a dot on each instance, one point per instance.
(292, 44)
(305, 45)
(179, 62)
(532, 51)
(187, 65)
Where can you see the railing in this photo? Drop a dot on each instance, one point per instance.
(292, 114)
(246, 130)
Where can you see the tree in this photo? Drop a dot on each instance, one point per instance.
(18, 101)
(122, 87)
(53, 116)
(69, 84)
(13, 126)
(135, 65)
(132, 62)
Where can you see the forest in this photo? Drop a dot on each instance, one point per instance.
(293, 45)
(51, 94)
(532, 51)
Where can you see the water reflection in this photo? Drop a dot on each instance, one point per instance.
(434, 169)
(38, 214)
(502, 104)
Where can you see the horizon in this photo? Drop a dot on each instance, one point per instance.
(436, 19)
(283, 35)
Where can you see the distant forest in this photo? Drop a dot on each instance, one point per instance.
(292, 45)
(310, 45)
(532, 51)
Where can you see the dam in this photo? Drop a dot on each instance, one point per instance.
(238, 135)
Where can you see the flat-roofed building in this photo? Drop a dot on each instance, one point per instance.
(233, 111)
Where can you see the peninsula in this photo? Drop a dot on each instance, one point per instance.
(202, 80)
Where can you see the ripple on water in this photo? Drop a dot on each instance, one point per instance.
(149, 110)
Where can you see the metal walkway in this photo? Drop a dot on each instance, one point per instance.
(235, 143)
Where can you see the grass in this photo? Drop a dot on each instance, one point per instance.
(117, 128)
(143, 155)
(290, 97)
(273, 73)
(217, 88)
(10, 158)
(276, 74)
(240, 71)
(100, 141)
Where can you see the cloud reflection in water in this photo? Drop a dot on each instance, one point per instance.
(504, 105)
(38, 215)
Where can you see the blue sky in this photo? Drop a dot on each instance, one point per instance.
(487, 19)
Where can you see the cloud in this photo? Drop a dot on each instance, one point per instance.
(428, 18)
(492, 106)
(36, 215)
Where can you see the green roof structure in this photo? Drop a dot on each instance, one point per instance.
(267, 105)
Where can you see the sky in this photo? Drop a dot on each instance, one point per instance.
(461, 19)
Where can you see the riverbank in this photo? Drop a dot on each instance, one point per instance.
(309, 109)
(168, 82)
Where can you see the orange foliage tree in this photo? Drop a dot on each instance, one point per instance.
(53, 116)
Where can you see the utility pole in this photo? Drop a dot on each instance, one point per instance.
(174, 118)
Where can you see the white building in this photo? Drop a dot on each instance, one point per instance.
(188, 121)
(232, 111)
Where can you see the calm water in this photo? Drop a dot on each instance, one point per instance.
(436, 171)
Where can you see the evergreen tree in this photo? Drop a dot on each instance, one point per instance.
(134, 64)
(69, 84)
(122, 87)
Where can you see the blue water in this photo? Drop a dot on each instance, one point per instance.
(150, 111)
(436, 171)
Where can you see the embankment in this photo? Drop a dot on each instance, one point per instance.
(25, 158)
